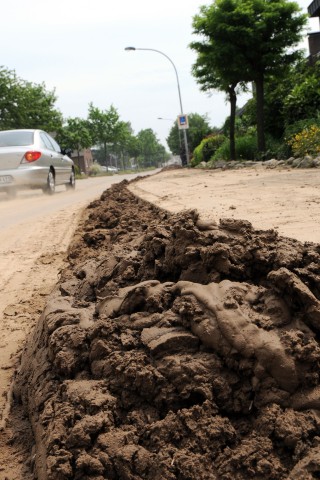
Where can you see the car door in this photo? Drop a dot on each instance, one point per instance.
(65, 161)
(53, 158)
(59, 162)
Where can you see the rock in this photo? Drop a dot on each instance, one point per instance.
(307, 162)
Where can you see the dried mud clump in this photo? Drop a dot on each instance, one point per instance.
(174, 348)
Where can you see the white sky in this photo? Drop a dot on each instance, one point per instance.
(77, 47)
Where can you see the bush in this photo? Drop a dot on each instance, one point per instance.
(275, 148)
(246, 149)
(300, 125)
(306, 142)
(95, 170)
(77, 170)
(222, 153)
(206, 149)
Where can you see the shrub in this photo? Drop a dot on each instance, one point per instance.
(77, 170)
(206, 149)
(246, 149)
(300, 125)
(275, 148)
(95, 170)
(223, 152)
(306, 142)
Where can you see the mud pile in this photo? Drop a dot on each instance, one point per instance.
(176, 349)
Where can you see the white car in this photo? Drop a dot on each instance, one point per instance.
(32, 159)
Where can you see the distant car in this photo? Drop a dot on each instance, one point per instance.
(112, 169)
(33, 159)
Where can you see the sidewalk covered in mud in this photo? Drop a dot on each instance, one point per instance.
(174, 348)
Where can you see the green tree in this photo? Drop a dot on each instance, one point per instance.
(218, 65)
(289, 100)
(126, 146)
(26, 105)
(122, 151)
(303, 99)
(152, 153)
(198, 129)
(132, 145)
(75, 135)
(105, 127)
(259, 34)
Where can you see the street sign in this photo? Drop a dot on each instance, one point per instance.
(183, 123)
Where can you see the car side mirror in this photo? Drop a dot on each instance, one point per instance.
(66, 151)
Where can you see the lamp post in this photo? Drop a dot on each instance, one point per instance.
(132, 49)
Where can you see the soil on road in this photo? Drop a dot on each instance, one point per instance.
(284, 199)
(33, 260)
(35, 232)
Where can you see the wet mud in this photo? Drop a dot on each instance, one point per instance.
(174, 348)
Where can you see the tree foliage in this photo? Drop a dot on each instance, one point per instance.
(105, 127)
(213, 69)
(199, 128)
(103, 124)
(254, 37)
(303, 99)
(126, 147)
(26, 105)
(75, 135)
(152, 153)
(116, 144)
(290, 101)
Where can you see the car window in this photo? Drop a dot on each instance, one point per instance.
(45, 141)
(15, 138)
(54, 143)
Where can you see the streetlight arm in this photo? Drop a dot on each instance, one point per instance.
(128, 49)
(175, 70)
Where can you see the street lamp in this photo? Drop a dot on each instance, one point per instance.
(132, 49)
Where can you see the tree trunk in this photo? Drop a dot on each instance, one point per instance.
(233, 104)
(79, 165)
(105, 154)
(260, 113)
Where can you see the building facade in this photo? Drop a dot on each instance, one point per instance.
(314, 37)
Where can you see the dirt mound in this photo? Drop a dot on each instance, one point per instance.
(176, 349)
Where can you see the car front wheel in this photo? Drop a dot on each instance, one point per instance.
(51, 185)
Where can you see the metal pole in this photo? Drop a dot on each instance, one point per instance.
(180, 101)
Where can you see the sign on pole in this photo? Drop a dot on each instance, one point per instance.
(183, 123)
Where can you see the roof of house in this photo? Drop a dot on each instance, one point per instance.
(314, 8)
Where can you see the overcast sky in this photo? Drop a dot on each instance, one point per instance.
(77, 48)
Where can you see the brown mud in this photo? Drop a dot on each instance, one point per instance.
(174, 348)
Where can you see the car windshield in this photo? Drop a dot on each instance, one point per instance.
(16, 139)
